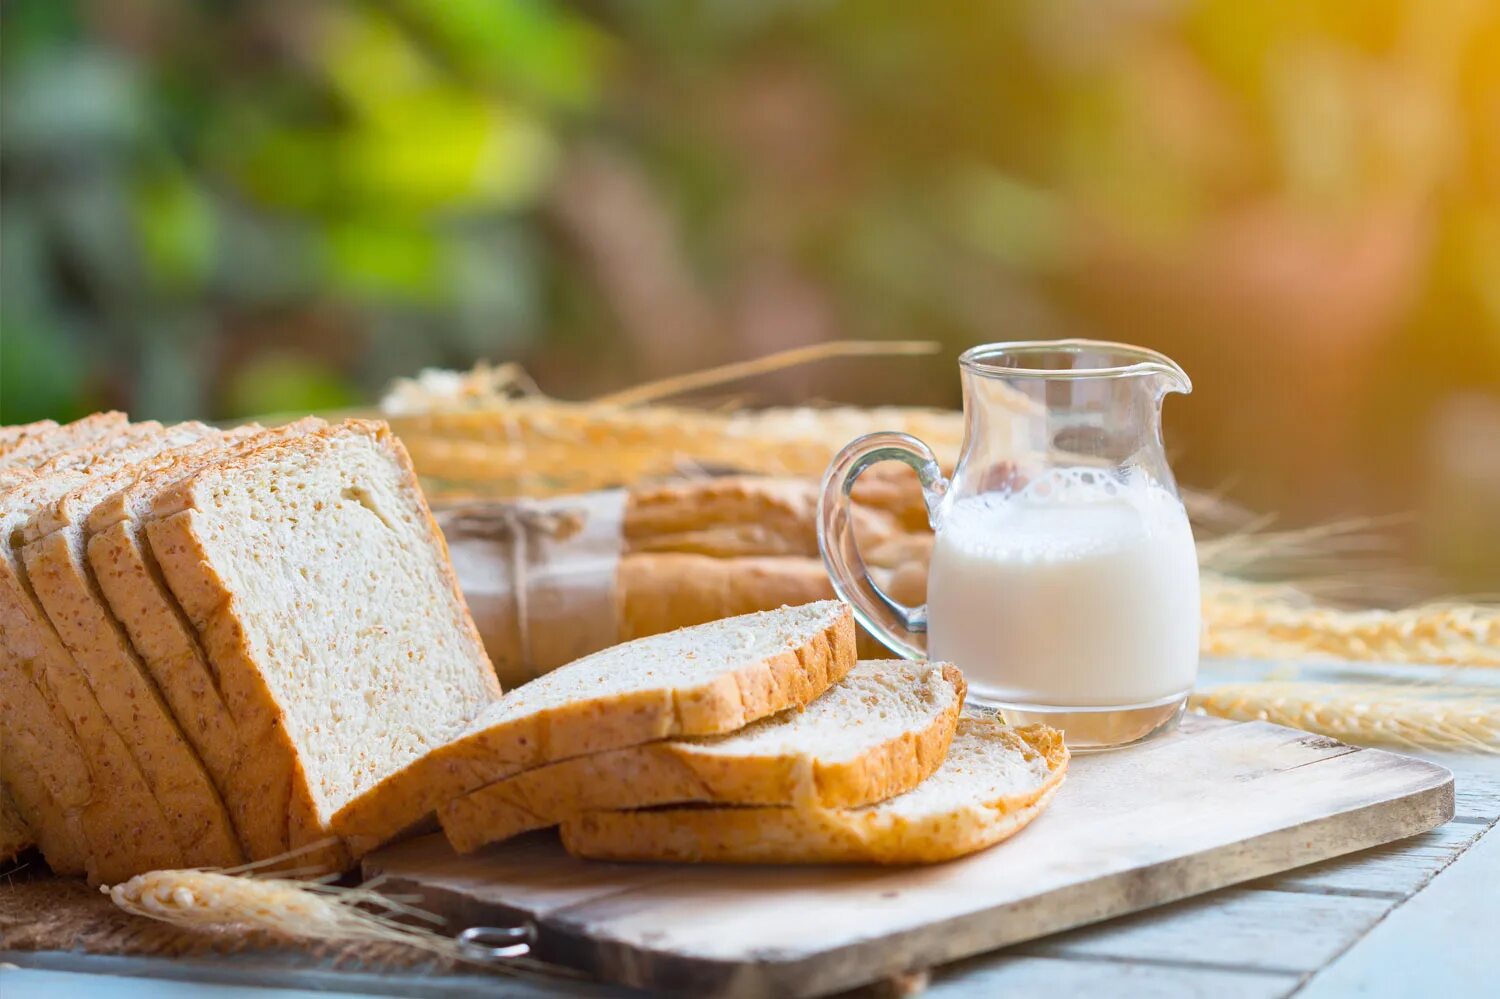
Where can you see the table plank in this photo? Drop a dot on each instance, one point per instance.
(275, 971)
(32, 983)
(1237, 929)
(1476, 796)
(1440, 943)
(1045, 976)
(1394, 872)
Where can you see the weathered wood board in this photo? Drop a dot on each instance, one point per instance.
(1215, 805)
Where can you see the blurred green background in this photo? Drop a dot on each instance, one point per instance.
(217, 209)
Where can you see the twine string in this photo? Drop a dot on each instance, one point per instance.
(520, 527)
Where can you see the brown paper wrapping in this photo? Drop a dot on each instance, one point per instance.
(600, 568)
(539, 577)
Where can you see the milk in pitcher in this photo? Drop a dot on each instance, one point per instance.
(1062, 580)
(1079, 589)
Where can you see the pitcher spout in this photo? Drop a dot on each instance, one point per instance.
(1170, 377)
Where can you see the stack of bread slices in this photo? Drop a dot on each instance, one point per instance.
(245, 645)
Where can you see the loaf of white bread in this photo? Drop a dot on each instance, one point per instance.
(221, 646)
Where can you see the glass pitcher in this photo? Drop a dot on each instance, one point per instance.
(1063, 579)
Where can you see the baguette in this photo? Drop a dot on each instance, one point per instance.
(735, 516)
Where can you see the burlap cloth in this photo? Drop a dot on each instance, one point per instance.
(41, 912)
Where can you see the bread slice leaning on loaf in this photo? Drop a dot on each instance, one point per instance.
(37, 818)
(706, 680)
(56, 560)
(132, 586)
(31, 449)
(42, 819)
(91, 772)
(878, 732)
(15, 834)
(321, 591)
(15, 435)
(995, 780)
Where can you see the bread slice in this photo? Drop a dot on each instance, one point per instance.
(735, 516)
(661, 591)
(880, 731)
(15, 834)
(14, 435)
(707, 680)
(59, 834)
(162, 637)
(995, 780)
(38, 757)
(321, 590)
(32, 449)
(54, 553)
(87, 768)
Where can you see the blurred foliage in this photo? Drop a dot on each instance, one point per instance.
(218, 208)
(190, 185)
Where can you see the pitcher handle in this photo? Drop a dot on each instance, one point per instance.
(901, 628)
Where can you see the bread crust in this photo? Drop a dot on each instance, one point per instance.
(15, 835)
(58, 833)
(664, 591)
(675, 771)
(727, 702)
(15, 435)
(86, 766)
(820, 836)
(99, 648)
(167, 646)
(735, 516)
(124, 827)
(33, 449)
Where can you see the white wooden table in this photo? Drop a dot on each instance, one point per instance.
(1420, 917)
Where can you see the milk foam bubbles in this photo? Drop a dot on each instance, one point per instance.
(1080, 589)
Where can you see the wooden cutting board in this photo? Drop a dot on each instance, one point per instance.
(1215, 804)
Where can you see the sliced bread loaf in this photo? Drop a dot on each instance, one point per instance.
(995, 780)
(88, 769)
(320, 589)
(878, 732)
(57, 566)
(706, 680)
(161, 635)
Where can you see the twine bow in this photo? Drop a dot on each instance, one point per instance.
(519, 527)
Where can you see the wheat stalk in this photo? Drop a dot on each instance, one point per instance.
(1278, 621)
(795, 357)
(238, 900)
(1417, 717)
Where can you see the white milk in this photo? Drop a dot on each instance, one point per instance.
(1077, 591)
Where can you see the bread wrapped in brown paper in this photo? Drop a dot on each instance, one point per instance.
(552, 580)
